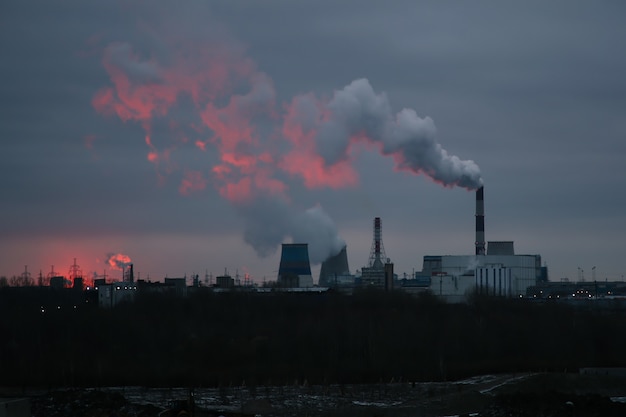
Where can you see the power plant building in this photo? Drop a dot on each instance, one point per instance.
(494, 269)
(454, 277)
(295, 268)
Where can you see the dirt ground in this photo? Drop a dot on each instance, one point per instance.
(541, 394)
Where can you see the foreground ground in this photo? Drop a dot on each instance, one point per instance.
(491, 395)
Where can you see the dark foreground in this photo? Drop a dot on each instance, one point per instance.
(220, 339)
(502, 395)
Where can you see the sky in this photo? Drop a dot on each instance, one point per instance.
(196, 137)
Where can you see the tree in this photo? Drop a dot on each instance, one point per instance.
(24, 280)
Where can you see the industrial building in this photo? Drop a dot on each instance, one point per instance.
(111, 294)
(378, 273)
(494, 269)
(453, 277)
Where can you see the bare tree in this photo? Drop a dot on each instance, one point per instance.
(24, 280)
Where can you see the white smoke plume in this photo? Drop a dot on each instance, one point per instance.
(357, 110)
(315, 227)
(270, 221)
(473, 263)
(264, 148)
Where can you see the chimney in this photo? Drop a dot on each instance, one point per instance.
(388, 276)
(480, 221)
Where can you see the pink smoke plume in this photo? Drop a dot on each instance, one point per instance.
(262, 148)
(118, 260)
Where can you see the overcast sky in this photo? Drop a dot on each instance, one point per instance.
(197, 136)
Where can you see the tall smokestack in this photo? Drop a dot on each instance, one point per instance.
(480, 221)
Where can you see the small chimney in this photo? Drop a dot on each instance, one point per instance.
(480, 221)
(388, 276)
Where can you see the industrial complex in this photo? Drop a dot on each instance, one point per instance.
(494, 269)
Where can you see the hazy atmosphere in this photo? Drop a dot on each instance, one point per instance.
(196, 137)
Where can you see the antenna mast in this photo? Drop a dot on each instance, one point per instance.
(377, 253)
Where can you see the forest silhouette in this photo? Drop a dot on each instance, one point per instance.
(220, 339)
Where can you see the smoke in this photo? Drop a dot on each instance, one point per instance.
(315, 227)
(118, 260)
(252, 150)
(357, 112)
(269, 222)
(473, 263)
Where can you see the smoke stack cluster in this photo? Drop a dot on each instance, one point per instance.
(480, 221)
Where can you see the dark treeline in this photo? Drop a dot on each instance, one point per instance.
(209, 339)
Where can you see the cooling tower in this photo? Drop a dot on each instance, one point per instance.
(334, 267)
(295, 269)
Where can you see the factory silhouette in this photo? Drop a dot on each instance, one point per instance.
(494, 269)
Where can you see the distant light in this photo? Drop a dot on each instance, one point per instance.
(58, 307)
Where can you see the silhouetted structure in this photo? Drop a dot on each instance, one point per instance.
(295, 269)
(335, 271)
(374, 273)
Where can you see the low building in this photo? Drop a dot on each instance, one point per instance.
(224, 281)
(110, 295)
(454, 277)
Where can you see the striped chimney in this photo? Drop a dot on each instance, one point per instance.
(480, 221)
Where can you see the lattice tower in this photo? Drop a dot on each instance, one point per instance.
(377, 253)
